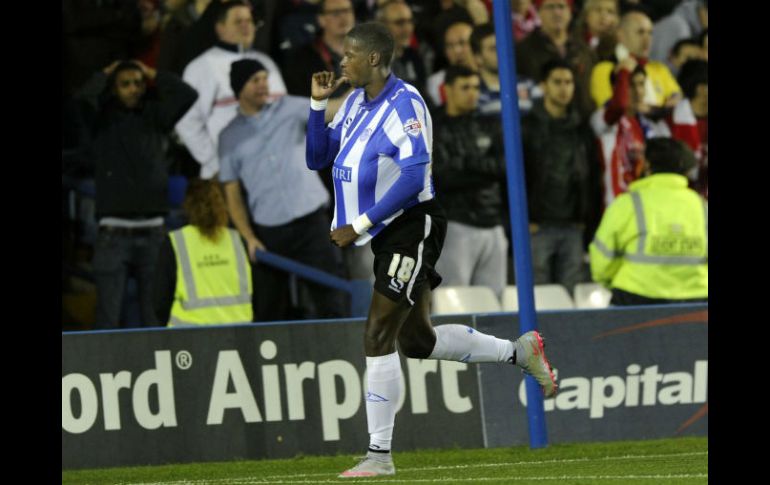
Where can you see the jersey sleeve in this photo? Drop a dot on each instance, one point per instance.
(323, 142)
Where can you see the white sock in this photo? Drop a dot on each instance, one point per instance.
(383, 381)
(465, 344)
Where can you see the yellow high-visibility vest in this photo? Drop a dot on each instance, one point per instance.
(213, 280)
(653, 241)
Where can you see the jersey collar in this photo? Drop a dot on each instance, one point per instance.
(390, 84)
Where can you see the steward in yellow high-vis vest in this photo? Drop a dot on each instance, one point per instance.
(203, 274)
(652, 243)
(213, 278)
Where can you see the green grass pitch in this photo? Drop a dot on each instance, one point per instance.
(653, 462)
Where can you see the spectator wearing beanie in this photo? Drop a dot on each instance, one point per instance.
(262, 150)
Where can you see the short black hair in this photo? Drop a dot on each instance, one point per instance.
(224, 8)
(122, 66)
(683, 42)
(552, 65)
(667, 155)
(637, 70)
(691, 74)
(108, 96)
(374, 36)
(456, 72)
(481, 32)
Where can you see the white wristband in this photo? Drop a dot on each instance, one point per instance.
(361, 224)
(318, 105)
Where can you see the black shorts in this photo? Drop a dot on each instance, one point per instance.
(406, 251)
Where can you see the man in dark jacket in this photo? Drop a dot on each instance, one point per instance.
(126, 134)
(562, 179)
(336, 18)
(552, 41)
(467, 170)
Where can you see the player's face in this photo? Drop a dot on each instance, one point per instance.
(355, 64)
(130, 87)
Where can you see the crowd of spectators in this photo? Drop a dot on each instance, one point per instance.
(596, 80)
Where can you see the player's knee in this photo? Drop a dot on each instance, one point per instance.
(378, 338)
(414, 349)
(417, 344)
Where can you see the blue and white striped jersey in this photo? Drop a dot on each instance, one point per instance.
(369, 143)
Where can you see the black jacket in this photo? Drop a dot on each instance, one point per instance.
(127, 147)
(307, 59)
(560, 168)
(468, 167)
(411, 69)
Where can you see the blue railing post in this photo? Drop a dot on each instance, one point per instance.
(360, 290)
(517, 200)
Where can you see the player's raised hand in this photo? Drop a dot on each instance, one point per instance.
(324, 84)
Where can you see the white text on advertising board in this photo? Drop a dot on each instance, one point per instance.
(340, 389)
(647, 388)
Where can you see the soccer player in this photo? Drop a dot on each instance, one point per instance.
(380, 145)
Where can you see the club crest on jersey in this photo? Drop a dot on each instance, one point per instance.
(412, 127)
(365, 135)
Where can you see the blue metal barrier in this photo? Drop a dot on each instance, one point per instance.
(360, 290)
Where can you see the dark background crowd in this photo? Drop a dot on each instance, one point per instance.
(143, 106)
